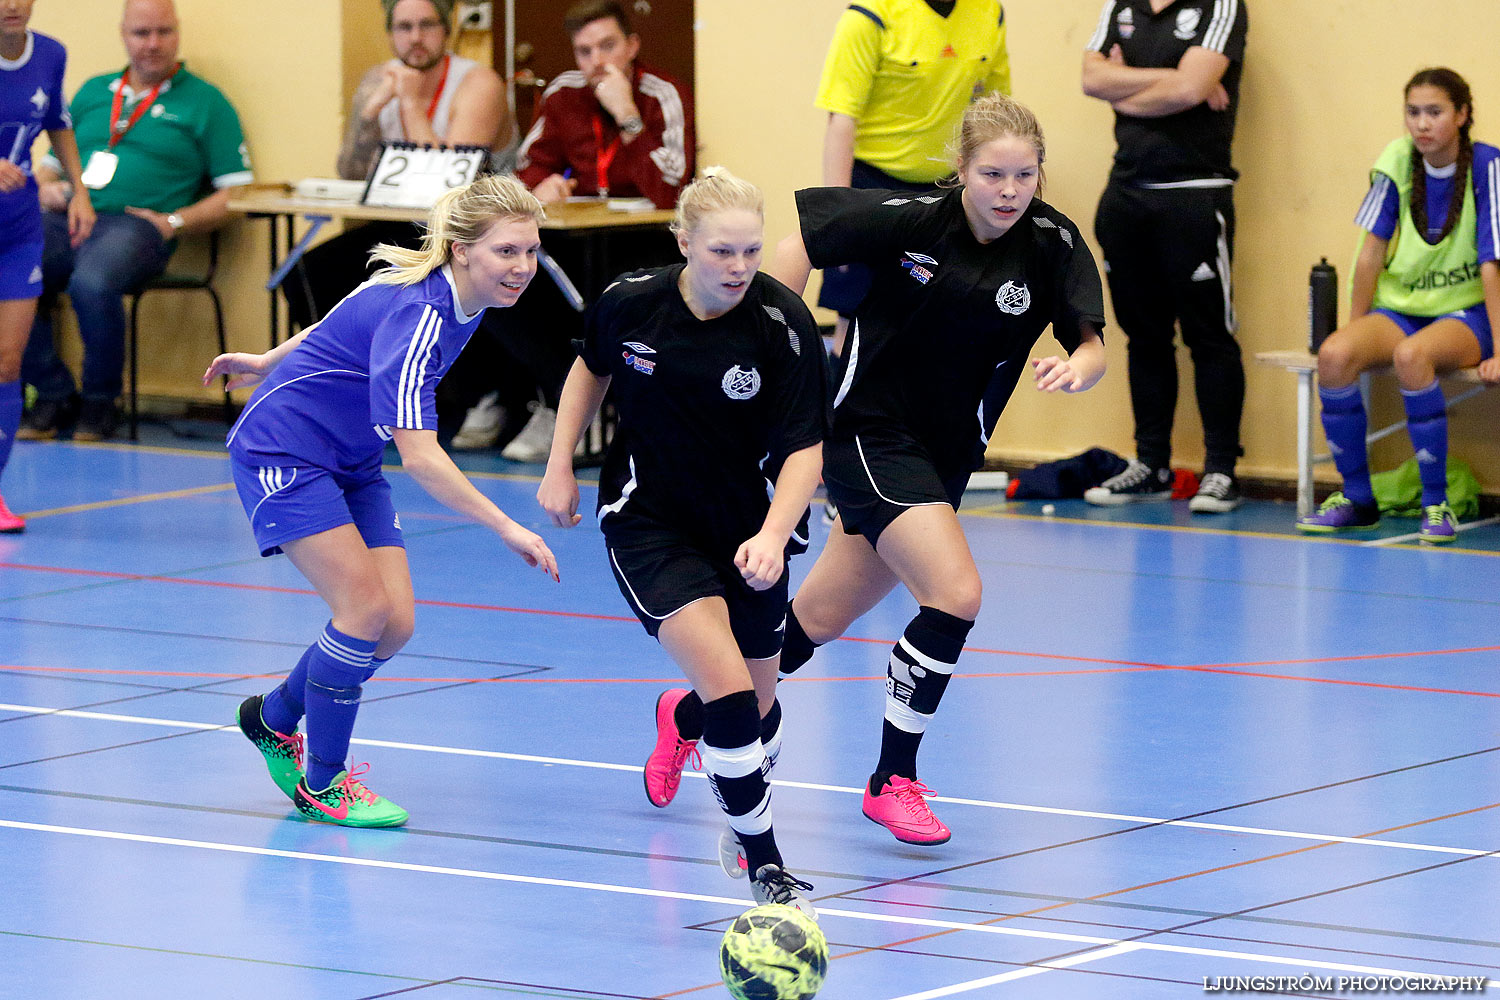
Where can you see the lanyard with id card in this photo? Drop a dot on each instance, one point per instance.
(103, 163)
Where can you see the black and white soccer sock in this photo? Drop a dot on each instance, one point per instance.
(920, 667)
(735, 760)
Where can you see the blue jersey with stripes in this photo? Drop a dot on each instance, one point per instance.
(368, 368)
(1377, 213)
(31, 101)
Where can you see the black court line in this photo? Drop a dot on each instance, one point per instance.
(567, 992)
(1238, 582)
(1266, 906)
(194, 732)
(234, 640)
(716, 925)
(1138, 827)
(203, 954)
(1235, 939)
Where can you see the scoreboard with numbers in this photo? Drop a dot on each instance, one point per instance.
(412, 176)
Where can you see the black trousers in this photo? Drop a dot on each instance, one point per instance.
(1167, 256)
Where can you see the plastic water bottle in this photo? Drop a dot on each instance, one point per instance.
(1322, 304)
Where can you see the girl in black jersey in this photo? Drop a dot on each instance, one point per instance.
(965, 283)
(717, 372)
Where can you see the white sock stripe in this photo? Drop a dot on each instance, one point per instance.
(904, 717)
(735, 763)
(343, 653)
(352, 650)
(930, 663)
(757, 820)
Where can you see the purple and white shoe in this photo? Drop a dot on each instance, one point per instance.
(1339, 513)
(1439, 525)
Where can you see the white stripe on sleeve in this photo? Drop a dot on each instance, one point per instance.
(1102, 31)
(414, 369)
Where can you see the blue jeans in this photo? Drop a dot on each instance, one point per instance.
(120, 255)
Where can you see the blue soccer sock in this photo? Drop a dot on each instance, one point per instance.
(10, 418)
(1345, 426)
(283, 708)
(337, 664)
(1427, 422)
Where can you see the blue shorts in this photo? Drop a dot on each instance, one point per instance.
(1476, 318)
(288, 501)
(21, 270)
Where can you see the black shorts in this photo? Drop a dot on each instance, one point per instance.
(660, 572)
(879, 474)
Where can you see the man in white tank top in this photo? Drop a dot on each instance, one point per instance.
(426, 94)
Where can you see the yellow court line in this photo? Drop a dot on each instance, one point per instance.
(995, 512)
(126, 501)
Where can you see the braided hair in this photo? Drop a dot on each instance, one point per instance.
(1462, 99)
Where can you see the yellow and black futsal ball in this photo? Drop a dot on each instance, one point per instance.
(773, 952)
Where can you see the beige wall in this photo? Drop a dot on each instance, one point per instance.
(1321, 97)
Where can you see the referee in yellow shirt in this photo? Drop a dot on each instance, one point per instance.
(896, 81)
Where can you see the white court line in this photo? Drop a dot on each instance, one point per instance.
(804, 785)
(1413, 536)
(1107, 944)
(1024, 973)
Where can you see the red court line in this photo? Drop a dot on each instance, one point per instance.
(1126, 666)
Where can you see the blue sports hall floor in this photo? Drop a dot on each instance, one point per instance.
(1180, 752)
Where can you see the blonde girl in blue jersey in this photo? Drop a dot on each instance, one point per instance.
(1424, 298)
(306, 457)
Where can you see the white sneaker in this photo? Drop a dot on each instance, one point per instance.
(731, 854)
(534, 443)
(481, 426)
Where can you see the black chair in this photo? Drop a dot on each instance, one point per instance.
(174, 281)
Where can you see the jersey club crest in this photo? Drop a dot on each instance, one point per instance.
(738, 383)
(1013, 298)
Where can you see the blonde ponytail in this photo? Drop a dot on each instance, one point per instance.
(459, 216)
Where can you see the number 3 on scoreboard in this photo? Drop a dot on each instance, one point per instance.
(461, 172)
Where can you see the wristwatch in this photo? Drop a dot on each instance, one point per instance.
(632, 126)
(175, 221)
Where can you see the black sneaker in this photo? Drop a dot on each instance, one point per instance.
(1218, 493)
(1138, 482)
(45, 418)
(97, 420)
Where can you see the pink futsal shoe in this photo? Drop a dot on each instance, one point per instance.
(10, 524)
(664, 766)
(901, 807)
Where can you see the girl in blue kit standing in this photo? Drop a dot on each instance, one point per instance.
(31, 101)
(1425, 297)
(306, 457)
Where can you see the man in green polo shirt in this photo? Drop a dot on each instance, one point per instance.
(161, 149)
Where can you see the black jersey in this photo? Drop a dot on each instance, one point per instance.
(1191, 145)
(937, 346)
(709, 409)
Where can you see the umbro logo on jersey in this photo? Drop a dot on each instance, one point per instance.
(36, 276)
(1187, 24)
(1126, 22)
(1013, 299)
(738, 383)
(639, 348)
(913, 266)
(40, 100)
(1204, 273)
(637, 362)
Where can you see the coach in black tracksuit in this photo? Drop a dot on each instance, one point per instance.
(1171, 71)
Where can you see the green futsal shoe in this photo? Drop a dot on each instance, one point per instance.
(348, 802)
(283, 753)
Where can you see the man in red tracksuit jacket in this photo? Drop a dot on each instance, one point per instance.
(612, 126)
